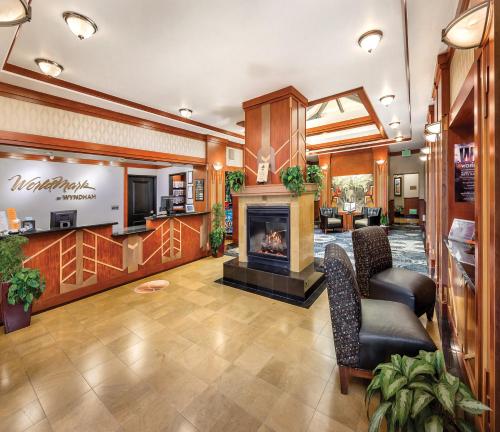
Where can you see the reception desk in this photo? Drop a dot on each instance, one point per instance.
(77, 262)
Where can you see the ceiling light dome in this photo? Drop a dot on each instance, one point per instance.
(399, 138)
(370, 40)
(49, 67)
(14, 12)
(433, 128)
(468, 30)
(185, 112)
(80, 25)
(387, 100)
(394, 124)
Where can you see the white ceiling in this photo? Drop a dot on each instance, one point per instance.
(211, 56)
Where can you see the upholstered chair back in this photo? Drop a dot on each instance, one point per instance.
(345, 304)
(371, 211)
(326, 211)
(372, 254)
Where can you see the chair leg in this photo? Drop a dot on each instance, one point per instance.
(430, 313)
(344, 373)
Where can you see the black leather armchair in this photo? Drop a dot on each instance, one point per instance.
(377, 279)
(370, 216)
(366, 332)
(330, 218)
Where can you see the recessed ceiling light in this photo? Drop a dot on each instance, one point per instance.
(399, 138)
(387, 100)
(467, 30)
(433, 128)
(426, 150)
(14, 12)
(185, 112)
(80, 25)
(370, 40)
(49, 67)
(394, 124)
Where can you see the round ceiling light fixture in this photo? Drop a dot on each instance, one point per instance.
(399, 138)
(426, 150)
(469, 29)
(49, 67)
(80, 25)
(387, 100)
(14, 12)
(186, 112)
(394, 124)
(433, 128)
(370, 40)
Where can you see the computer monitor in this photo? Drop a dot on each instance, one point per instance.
(63, 219)
(349, 206)
(167, 204)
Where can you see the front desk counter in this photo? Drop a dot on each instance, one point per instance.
(84, 260)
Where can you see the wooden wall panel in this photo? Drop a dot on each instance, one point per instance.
(253, 140)
(280, 137)
(350, 163)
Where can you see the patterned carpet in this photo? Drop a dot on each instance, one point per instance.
(406, 244)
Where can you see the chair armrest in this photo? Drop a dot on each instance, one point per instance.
(323, 221)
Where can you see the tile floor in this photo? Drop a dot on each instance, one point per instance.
(196, 356)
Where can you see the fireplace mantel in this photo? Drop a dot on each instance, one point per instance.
(272, 190)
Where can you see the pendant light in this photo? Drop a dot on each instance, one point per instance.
(14, 12)
(80, 25)
(468, 30)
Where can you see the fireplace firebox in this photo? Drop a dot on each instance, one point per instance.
(268, 236)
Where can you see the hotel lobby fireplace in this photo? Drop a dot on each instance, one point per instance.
(268, 235)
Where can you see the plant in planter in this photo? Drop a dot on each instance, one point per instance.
(384, 220)
(235, 180)
(314, 174)
(20, 286)
(293, 179)
(417, 394)
(218, 232)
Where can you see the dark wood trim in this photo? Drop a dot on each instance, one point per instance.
(369, 107)
(94, 93)
(60, 159)
(32, 96)
(50, 143)
(335, 96)
(338, 126)
(333, 144)
(464, 92)
(346, 372)
(355, 147)
(274, 96)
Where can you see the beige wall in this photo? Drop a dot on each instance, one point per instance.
(407, 165)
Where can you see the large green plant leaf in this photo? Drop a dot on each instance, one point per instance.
(451, 380)
(420, 367)
(374, 385)
(403, 405)
(434, 424)
(394, 386)
(421, 385)
(420, 400)
(378, 416)
(396, 362)
(439, 362)
(472, 406)
(445, 395)
(465, 391)
(406, 365)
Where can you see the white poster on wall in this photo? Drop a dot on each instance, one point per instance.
(35, 188)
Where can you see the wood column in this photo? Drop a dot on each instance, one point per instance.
(275, 131)
(381, 176)
(325, 165)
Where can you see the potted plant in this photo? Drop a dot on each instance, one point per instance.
(315, 175)
(235, 180)
(218, 233)
(384, 222)
(19, 286)
(293, 179)
(417, 394)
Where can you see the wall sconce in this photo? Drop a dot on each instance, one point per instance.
(433, 128)
(468, 30)
(423, 158)
(432, 137)
(217, 166)
(380, 161)
(425, 150)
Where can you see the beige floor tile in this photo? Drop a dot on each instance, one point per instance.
(289, 415)
(254, 358)
(43, 426)
(87, 413)
(323, 423)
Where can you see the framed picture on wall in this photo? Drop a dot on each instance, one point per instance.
(397, 186)
(199, 190)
